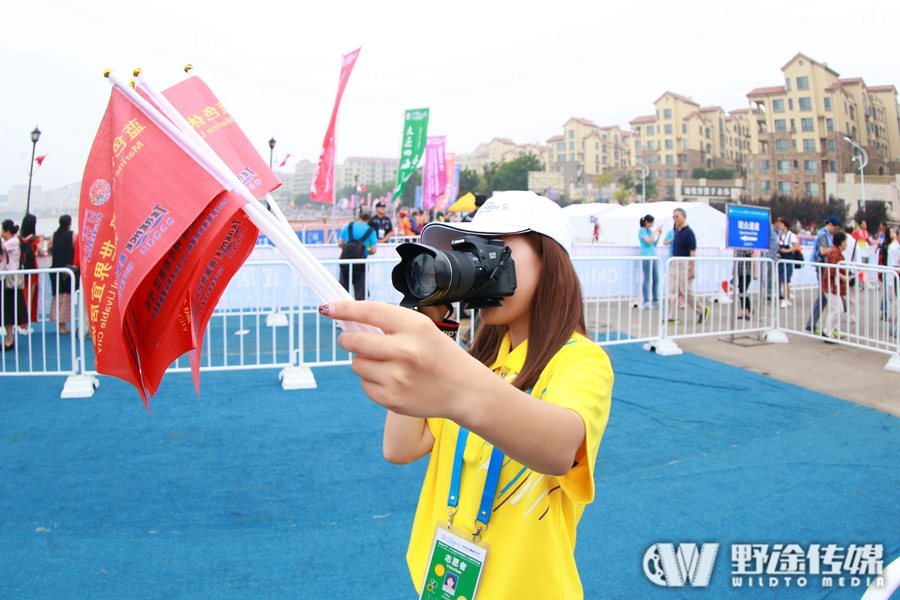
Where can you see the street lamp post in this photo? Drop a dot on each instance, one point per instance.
(35, 136)
(863, 161)
(271, 150)
(645, 170)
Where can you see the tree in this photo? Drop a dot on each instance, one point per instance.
(651, 187)
(717, 173)
(409, 192)
(804, 209)
(621, 195)
(604, 179)
(513, 175)
(374, 189)
(627, 182)
(469, 180)
(874, 213)
(853, 167)
(488, 170)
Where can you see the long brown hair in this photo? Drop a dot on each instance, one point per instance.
(557, 311)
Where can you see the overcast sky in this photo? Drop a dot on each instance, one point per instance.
(486, 69)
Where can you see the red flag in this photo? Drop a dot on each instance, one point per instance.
(40, 159)
(193, 99)
(235, 243)
(284, 162)
(168, 292)
(322, 187)
(140, 192)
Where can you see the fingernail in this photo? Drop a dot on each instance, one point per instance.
(325, 310)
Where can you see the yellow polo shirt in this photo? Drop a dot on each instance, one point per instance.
(532, 529)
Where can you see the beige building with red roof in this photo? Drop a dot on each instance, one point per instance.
(499, 150)
(681, 136)
(800, 128)
(585, 151)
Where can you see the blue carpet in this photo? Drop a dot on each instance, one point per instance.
(253, 492)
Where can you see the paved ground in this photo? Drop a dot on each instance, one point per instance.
(842, 371)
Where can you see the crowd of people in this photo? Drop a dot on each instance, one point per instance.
(19, 251)
(833, 244)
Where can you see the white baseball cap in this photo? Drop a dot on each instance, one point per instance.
(507, 213)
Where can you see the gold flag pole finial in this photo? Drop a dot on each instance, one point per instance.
(136, 72)
(106, 72)
(188, 67)
(131, 83)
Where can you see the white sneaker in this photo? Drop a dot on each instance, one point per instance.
(786, 303)
(646, 306)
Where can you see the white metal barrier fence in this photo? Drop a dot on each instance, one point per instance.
(30, 311)
(268, 317)
(865, 313)
(616, 309)
(715, 296)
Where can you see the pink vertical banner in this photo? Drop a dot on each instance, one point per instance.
(435, 177)
(448, 196)
(322, 187)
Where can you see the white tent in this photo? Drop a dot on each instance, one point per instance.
(620, 228)
(580, 216)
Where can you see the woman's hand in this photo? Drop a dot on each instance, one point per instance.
(417, 371)
(413, 369)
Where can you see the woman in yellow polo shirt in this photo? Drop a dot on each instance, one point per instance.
(512, 427)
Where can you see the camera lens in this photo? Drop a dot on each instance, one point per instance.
(421, 276)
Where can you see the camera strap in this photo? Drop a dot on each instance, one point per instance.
(448, 327)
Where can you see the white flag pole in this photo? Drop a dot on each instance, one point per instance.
(257, 214)
(179, 120)
(327, 288)
(212, 162)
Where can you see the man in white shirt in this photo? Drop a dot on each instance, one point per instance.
(891, 283)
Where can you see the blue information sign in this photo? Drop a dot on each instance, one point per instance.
(314, 236)
(748, 227)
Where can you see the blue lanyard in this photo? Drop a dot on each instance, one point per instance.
(490, 485)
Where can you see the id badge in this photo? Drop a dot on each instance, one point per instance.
(380, 233)
(455, 566)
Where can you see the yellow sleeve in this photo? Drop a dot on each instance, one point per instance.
(581, 379)
(435, 426)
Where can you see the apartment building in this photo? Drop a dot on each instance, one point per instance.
(304, 171)
(366, 171)
(499, 150)
(801, 126)
(681, 136)
(585, 151)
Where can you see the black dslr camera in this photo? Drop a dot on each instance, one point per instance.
(477, 271)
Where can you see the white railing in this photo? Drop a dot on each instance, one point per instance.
(867, 316)
(268, 317)
(713, 296)
(614, 306)
(40, 346)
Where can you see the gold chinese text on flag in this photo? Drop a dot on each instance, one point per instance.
(153, 224)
